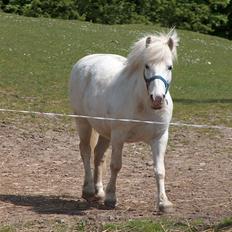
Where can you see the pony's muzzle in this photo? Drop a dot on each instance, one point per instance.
(157, 101)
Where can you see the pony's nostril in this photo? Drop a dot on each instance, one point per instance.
(158, 99)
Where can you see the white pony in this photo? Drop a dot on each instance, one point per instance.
(111, 86)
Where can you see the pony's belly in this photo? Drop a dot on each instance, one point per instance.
(101, 128)
(144, 133)
(129, 133)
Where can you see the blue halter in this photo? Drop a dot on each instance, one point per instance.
(156, 77)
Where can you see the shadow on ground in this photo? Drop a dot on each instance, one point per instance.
(203, 101)
(51, 204)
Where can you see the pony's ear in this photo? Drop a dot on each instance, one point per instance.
(148, 41)
(170, 43)
(173, 39)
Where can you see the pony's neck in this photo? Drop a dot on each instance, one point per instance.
(132, 72)
(135, 78)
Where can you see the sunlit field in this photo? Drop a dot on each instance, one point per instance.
(37, 56)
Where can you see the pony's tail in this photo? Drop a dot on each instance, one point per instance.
(93, 140)
(93, 143)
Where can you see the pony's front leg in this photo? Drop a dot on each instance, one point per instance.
(158, 151)
(115, 166)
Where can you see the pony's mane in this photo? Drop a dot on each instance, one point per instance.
(156, 51)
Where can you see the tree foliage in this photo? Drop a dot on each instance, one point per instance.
(209, 16)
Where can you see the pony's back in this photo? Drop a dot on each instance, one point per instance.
(91, 74)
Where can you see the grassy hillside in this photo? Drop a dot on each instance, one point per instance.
(36, 56)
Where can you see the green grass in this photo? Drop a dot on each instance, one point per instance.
(226, 224)
(36, 56)
(136, 225)
(163, 226)
(7, 229)
(150, 226)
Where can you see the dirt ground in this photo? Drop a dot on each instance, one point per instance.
(41, 176)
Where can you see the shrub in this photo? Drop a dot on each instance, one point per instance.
(210, 16)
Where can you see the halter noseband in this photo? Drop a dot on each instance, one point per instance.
(156, 77)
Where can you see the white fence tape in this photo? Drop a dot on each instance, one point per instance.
(178, 124)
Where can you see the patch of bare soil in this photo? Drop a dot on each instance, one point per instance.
(41, 176)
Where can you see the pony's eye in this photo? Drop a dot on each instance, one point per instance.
(147, 66)
(170, 67)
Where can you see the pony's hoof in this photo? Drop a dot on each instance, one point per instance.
(88, 196)
(166, 207)
(100, 196)
(110, 204)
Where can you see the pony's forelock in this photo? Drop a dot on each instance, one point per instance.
(156, 51)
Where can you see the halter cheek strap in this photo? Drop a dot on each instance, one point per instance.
(157, 77)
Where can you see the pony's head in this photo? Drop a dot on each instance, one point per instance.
(154, 55)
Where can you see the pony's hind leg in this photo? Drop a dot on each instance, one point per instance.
(99, 158)
(115, 166)
(85, 131)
